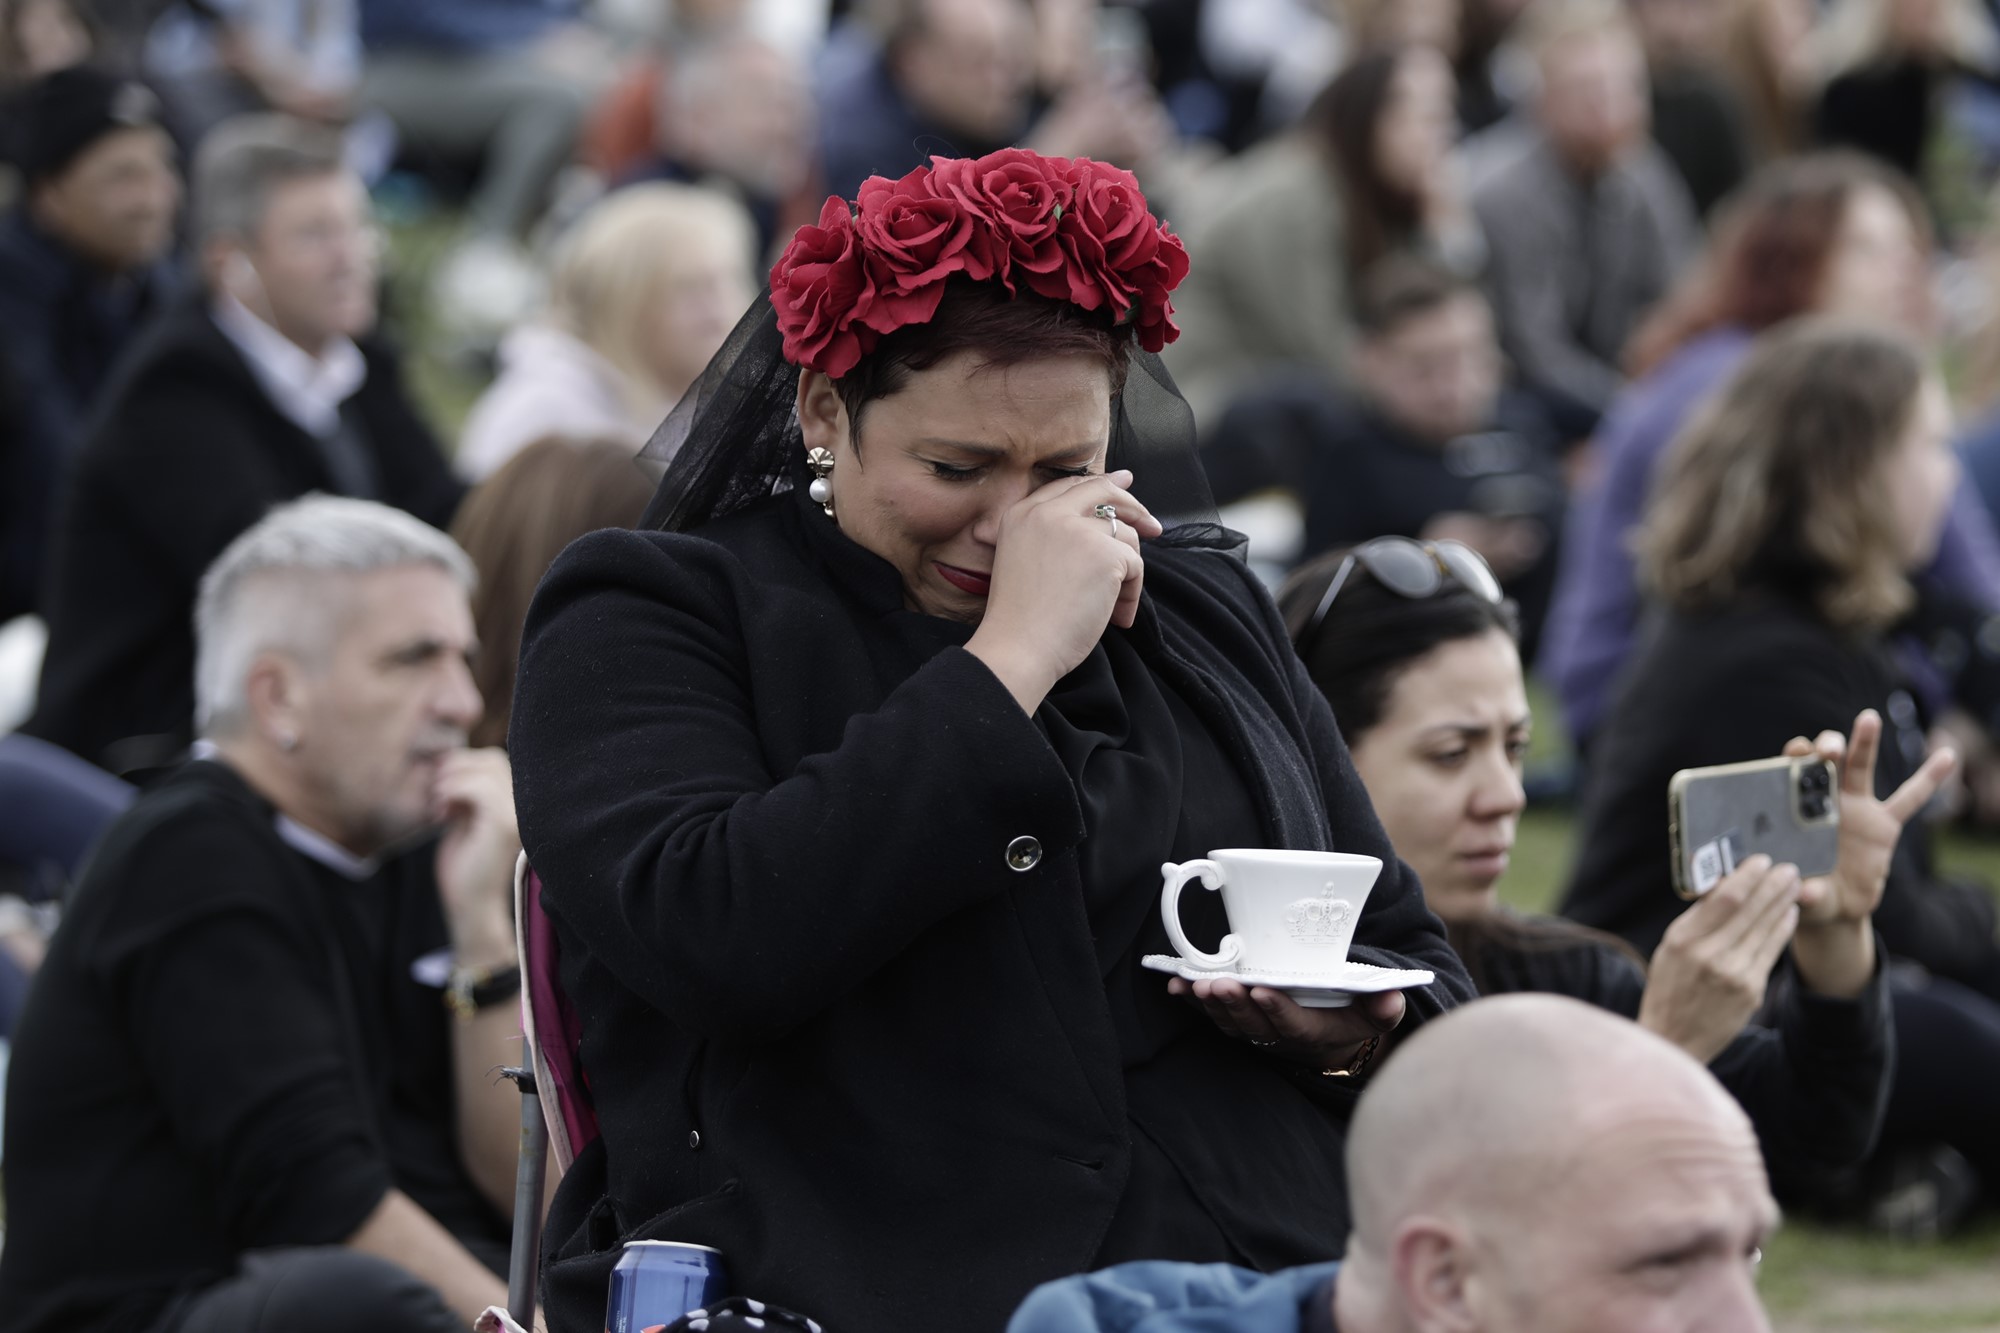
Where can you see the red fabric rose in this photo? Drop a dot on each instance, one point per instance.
(1020, 198)
(919, 238)
(1073, 230)
(1153, 323)
(1105, 233)
(1116, 254)
(818, 288)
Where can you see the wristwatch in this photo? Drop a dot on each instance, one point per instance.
(472, 989)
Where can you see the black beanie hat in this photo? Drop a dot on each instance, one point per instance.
(60, 115)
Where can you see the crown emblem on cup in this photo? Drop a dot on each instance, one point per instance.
(1322, 920)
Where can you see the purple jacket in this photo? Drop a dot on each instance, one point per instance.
(1595, 617)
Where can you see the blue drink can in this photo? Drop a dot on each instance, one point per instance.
(658, 1281)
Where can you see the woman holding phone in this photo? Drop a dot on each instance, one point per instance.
(1780, 544)
(1418, 655)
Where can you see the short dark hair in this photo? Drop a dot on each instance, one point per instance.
(1403, 286)
(1371, 635)
(1001, 330)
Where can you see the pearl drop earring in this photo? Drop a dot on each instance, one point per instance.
(821, 490)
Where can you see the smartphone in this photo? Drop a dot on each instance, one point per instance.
(1719, 817)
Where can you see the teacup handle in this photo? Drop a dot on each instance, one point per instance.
(1170, 913)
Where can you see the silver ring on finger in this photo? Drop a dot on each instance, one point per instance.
(1110, 512)
(1254, 1042)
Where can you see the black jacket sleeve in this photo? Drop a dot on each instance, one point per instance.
(737, 900)
(1812, 1075)
(215, 982)
(1815, 1082)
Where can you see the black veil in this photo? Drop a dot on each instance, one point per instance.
(733, 440)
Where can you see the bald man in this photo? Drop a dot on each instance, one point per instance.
(1526, 1164)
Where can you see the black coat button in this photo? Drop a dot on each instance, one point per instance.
(1024, 853)
(694, 1138)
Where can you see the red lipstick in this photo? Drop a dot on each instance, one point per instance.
(965, 580)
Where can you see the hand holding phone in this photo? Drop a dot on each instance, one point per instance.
(1707, 977)
(1869, 827)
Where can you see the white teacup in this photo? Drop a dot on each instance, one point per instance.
(1289, 912)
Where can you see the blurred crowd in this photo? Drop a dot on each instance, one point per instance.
(1504, 273)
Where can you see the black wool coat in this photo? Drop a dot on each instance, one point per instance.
(814, 876)
(186, 453)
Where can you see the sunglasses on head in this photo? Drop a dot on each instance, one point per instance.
(1413, 569)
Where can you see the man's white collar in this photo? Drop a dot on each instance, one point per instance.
(306, 388)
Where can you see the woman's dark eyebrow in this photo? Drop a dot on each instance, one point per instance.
(1469, 731)
(1472, 731)
(997, 451)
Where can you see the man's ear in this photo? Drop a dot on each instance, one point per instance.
(1435, 1272)
(822, 415)
(274, 695)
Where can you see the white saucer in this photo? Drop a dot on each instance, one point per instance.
(1314, 990)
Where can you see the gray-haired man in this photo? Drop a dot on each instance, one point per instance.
(251, 1091)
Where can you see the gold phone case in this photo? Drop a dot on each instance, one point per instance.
(1718, 817)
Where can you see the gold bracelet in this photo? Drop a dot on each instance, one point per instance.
(1361, 1059)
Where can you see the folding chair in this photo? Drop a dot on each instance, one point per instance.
(556, 1112)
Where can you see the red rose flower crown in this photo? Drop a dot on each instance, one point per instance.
(1070, 229)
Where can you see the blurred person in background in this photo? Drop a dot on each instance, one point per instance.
(1293, 48)
(1389, 124)
(266, 386)
(957, 78)
(1587, 224)
(1769, 60)
(252, 1092)
(1887, 62)
(213, 59)
(513, 526)
(503, 82)
(1272, 56)
(1781, 542)
(1832, 233)
(84, 264)
(1494, 75)
(1428, 689)
(1428, 443)
(621, 128)
(1370, 172)
(39, 37)
(1696, 118)
(643, 289)
(734, 113)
